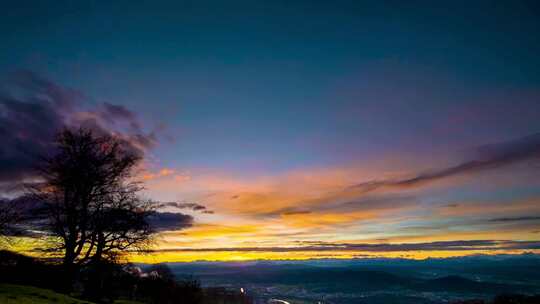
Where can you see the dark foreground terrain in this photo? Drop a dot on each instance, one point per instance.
(375, 281)
(469, 280)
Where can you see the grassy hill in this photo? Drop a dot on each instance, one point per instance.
(17, 294)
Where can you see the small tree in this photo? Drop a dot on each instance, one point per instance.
(14, 215)
(91, 202)
(5, 218)
(8, 218)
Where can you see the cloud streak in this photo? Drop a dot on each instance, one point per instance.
(489, 157)
(515, 219)
(189, 206)
(384, 247)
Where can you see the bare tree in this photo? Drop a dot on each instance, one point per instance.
(8, 217)
(13, 216)
(91, 202)
(4, 218)
(121, 224)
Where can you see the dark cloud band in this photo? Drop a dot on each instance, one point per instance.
(169, 221)
(188, 206)
(515, 219)
(385, 247)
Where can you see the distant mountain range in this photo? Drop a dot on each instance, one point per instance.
(474, 275)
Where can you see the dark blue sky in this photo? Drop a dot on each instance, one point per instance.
(292, 83)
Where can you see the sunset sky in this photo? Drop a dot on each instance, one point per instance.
(295, 129)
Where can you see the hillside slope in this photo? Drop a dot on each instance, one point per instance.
(17, 294)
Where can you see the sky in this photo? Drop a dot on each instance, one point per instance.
(295, 129)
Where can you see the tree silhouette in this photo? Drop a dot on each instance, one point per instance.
(91, 206)
(13, 216)
(8, 218)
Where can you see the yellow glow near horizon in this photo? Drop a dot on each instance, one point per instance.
(231, 256)
(27, 246)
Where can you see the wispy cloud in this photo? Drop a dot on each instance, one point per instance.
(333, 203)
(489, 157)
(516, 219)
(385, 247)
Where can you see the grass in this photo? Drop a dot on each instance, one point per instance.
(17, 294)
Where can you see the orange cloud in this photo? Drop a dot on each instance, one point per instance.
(319, 204)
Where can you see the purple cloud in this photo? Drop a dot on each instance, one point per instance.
(33, 109)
